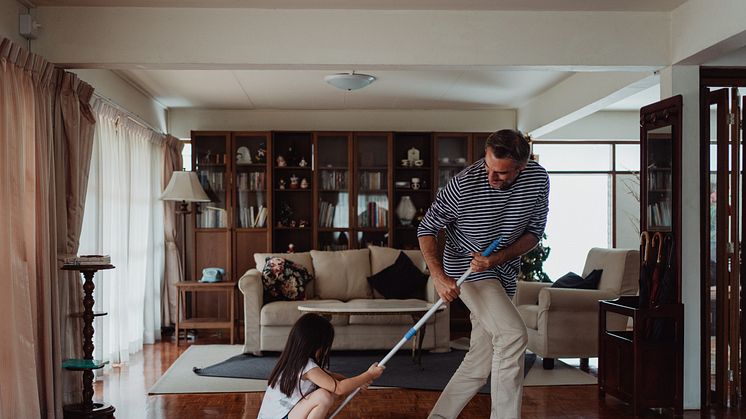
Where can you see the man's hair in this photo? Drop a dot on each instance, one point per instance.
(509, 144)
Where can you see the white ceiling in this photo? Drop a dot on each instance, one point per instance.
(463, 88)
(535, 5)
(636, 101)
(306, 89)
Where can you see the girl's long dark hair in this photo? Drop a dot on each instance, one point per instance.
(310, 335)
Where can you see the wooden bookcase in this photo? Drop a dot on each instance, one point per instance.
(334, 191)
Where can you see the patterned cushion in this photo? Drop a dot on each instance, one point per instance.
(283, 280)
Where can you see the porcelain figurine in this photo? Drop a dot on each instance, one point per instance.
(281, 161)
(304, 183)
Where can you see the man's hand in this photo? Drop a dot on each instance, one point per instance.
(446, 287)
(481, 263)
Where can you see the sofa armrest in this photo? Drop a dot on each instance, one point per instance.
(527, 292)
(568, 299)
(250, 285)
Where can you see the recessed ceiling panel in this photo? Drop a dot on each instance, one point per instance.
(551, 5)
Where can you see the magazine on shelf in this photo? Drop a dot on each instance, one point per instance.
(88, 260)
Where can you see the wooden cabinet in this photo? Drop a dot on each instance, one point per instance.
(640, 366)
(314, 190)
(232, 169)
(644, 366)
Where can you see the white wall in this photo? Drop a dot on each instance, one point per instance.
(111, 86)
(182, 121)
(608, 125)
(9, 11)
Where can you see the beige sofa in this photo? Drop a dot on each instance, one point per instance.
(338, 276)
(562, 322)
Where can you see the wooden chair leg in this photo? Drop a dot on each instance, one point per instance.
(584, 365)
(548, 363)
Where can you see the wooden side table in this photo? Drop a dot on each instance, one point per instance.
(87, 409)
(182, 322)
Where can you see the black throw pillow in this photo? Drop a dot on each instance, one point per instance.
(401, 280)
(573, 280)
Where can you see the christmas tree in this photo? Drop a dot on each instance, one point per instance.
(532, 263)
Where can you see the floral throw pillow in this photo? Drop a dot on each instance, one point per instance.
(284, 280)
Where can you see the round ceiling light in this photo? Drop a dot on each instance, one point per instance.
(349, 81)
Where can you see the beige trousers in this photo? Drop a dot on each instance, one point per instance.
(497, 345)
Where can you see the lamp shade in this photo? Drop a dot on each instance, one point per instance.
(349, 81)
(184, 186)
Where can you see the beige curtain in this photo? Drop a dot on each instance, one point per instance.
(173, 232)
(45, 138)
(72, 125)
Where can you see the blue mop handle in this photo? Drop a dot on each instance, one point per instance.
(413, 331)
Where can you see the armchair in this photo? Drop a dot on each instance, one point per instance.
(563, 322)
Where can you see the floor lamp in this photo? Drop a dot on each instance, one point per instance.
(184, 187)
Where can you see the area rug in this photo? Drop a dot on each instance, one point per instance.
(225, 362)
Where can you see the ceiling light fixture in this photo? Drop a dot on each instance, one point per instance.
(349, 81)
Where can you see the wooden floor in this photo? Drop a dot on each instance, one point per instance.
(126, 388)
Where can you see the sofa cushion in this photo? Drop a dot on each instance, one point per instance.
(573, 280)
(530, 315)
(283, 280)
(303, 259)
(286, 313)
(400, 280)
(383, 257)
(342, 275)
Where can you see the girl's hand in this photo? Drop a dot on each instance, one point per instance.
(375, 371)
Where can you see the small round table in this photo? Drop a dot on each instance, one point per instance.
(381, 307)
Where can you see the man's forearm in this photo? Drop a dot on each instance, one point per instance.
(429, 249)
(521, 246)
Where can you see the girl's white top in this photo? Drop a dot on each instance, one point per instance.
(276, 404)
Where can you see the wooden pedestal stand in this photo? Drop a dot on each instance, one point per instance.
(87, 409)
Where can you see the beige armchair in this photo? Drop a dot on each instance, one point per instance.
(563, 322)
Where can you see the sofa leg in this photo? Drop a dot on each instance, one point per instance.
(584, 365)
(548, 363)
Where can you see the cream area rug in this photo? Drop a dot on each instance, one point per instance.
(180, 377)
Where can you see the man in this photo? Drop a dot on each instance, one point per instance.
(502, 195)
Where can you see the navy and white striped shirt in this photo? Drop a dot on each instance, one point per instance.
(474, 214)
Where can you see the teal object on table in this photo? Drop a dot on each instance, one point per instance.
(212, 275)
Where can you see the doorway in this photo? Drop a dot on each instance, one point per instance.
(722, 283)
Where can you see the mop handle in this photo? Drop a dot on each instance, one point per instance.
(416, 327)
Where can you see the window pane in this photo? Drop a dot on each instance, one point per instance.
(186, 155)
(628, 157)
(578, 220)
(628, 211)
(575, 157)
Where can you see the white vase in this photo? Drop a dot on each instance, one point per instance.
(406, 210)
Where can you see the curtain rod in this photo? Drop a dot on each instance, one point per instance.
(129, 114)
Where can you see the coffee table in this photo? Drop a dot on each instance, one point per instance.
(381, 307)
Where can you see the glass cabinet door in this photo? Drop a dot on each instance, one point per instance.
(372, 177)
(452, 156)
(250, 153)
(333, 191)
(292, 201)
(211, 162)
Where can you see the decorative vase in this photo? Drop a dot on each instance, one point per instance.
(406, 210)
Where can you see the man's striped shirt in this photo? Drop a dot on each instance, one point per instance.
(474, 213)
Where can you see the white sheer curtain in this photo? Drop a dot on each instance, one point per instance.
(124, 218)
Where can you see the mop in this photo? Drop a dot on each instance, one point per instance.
(416, 327)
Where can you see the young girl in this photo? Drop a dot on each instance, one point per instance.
(300, 386)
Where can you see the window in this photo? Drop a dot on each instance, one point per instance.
(593, 201)
(186, 154)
